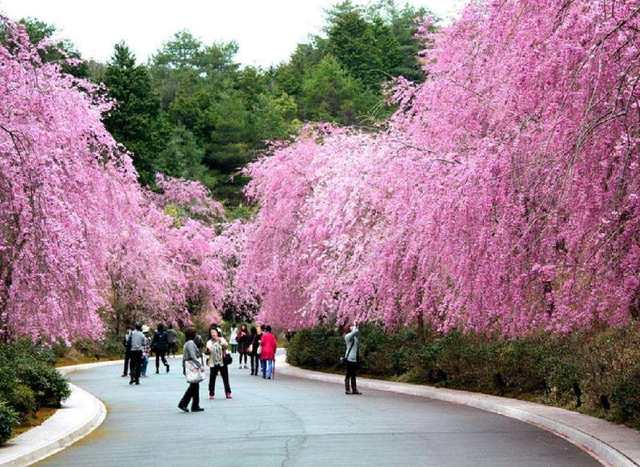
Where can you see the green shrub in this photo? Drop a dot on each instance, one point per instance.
(597, 371)
(317, 348)
(8, 420)
(625, 397)
(23, 400)
(49, 386)
(18, 396)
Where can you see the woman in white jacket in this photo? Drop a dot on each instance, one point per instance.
(233, 339)
(217, 349)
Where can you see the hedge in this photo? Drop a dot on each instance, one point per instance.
(596, 372)
(28, 381)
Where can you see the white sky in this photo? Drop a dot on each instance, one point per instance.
(267, 31)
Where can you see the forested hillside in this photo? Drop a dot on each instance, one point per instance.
(193, 111)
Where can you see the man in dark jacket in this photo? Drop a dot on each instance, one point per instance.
(160, 345)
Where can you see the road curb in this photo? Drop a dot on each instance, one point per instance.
(80, 414)
(610, 444)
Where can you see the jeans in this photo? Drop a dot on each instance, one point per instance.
(136, 365)
(224, 371)
(255, 364)
(267, 368)
(243, 354)
(143, 368)
(191, 394)
(234, 348)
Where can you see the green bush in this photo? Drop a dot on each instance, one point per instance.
(49, 386)
(625, 397)
(23, 400)
(18, 396)
(597, 372)
(8, 420)
(317, 348)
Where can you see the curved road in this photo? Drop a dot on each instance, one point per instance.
(295, 422)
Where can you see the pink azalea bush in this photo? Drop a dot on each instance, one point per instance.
(503, 197)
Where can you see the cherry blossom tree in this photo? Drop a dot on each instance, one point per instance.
(502, 197)
(80, 241)
(64, 188)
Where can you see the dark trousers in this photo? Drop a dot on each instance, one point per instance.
(243, 354)
(191, 394)
(350, 377)
(136, 365)
(161, 354)
(224, 371)
(127, 358)
(255, 364)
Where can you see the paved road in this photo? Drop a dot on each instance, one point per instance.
(294, 422)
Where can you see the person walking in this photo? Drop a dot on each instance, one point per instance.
(268, 347)
(160, 345)
(146, 351)
(127, 351)
(243, 338)
(233, 338)
(172, 339)
(218, 363)
(351, 360)
(136, 341)
(253, 351)
(193, 369)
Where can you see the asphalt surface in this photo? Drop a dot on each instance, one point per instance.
(296, 422)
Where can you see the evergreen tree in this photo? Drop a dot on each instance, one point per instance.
(135, 121)
(331, 94)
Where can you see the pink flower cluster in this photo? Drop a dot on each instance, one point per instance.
(190, 194)
(503, 197)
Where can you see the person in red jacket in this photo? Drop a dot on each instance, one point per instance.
(268, 346)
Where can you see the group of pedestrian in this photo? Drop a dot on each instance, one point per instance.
(138, 346)
(259, 345)
(256, 345)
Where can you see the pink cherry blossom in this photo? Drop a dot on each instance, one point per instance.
(502, 197)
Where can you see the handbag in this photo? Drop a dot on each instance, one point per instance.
(194, 373)
(227, 359)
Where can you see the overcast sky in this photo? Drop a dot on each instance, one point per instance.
(266, 30)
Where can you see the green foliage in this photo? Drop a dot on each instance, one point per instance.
(317, 348)
(23, 400)
(109, 347)
(330, 94)
(194, 112)
(339, 78)
(135, 122)
(55, 52)
(49, 386)
(597, 373)
(28, 381)
(8, 420)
